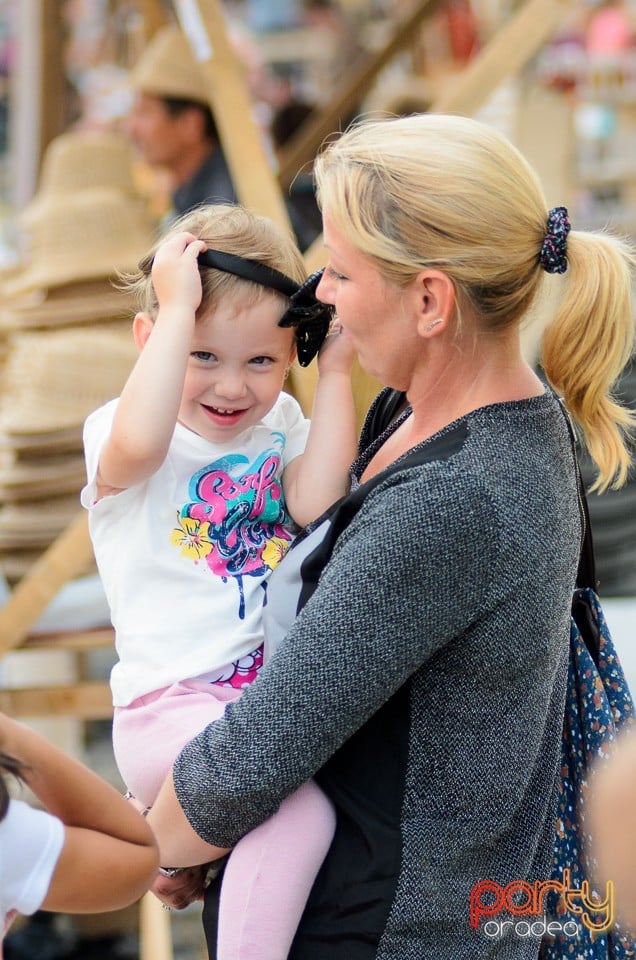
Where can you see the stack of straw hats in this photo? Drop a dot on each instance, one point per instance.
(52, 381)
(86, 223)
(65, 330)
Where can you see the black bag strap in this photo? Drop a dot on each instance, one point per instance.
(586, 575)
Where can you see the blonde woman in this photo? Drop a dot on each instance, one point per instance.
(424, 622)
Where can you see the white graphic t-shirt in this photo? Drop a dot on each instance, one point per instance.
(184, 557)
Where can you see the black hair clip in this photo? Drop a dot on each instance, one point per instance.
(310, 316)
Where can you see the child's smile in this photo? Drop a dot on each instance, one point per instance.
(237, 365)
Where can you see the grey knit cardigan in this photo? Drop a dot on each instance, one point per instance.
(422, 685)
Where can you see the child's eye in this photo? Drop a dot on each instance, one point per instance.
(203, 355)
(261, 361)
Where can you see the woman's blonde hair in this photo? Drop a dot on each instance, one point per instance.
(452, 193)
(229, 228)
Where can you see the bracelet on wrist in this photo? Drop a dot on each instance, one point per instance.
(131, 796)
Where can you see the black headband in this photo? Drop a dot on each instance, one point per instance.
(310, 316)
(249, 270)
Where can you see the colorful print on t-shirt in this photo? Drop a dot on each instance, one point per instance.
(236, 519)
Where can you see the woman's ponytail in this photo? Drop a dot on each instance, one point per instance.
(587, 344)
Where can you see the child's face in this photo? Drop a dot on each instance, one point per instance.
(237, 365)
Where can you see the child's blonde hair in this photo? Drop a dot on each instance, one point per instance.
(229, 228)
(452, 193)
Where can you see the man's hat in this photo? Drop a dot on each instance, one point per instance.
(167, 68)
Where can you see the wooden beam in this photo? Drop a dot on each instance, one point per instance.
(55, 88)
(77, 641)
(356, 83)
(513, 44)
(88, 701)
(155, 936)
(256, 185)
(154, 16)
(67, 556)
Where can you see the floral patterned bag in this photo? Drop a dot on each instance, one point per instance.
(598, 706)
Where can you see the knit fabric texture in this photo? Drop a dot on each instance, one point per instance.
(452, 584)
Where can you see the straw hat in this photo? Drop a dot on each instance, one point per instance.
(15, 564)
(42, 479)
(84, 159)
(167, 68)
(35, 523)
(86, 235)
(86, 301)
(53, 380)
(24, 447)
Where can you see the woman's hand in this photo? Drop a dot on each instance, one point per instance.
(184, 888)
(336, 354)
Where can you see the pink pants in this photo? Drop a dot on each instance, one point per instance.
(270, 872)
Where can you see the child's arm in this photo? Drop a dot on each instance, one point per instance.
(149, 404)
(320, 476)
(109, 857)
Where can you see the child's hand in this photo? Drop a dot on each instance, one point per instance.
(337, 353)
(175, 272)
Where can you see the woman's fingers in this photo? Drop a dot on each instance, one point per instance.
(182, 889)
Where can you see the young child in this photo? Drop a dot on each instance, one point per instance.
(197, 476)
(86, 851)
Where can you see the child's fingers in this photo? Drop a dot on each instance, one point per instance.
(177, 245)
(195, 247)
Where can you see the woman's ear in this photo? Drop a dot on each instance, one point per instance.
(435, 302)
(141, 328)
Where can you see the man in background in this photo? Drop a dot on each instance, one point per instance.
(173, 128)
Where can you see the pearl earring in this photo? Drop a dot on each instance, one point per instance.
(433, 324)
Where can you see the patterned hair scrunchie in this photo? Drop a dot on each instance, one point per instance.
(552, 256)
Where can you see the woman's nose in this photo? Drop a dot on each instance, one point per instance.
(323, 288)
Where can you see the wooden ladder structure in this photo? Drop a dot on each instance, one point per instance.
(259, 188)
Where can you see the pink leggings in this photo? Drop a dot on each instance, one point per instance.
(270, 872)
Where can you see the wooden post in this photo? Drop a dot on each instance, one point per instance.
(302, 148)
(54, 114)
(65, 558)
(203, 23)
(514, 43)
(154, 16)
(25, 98)
(155, 937)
